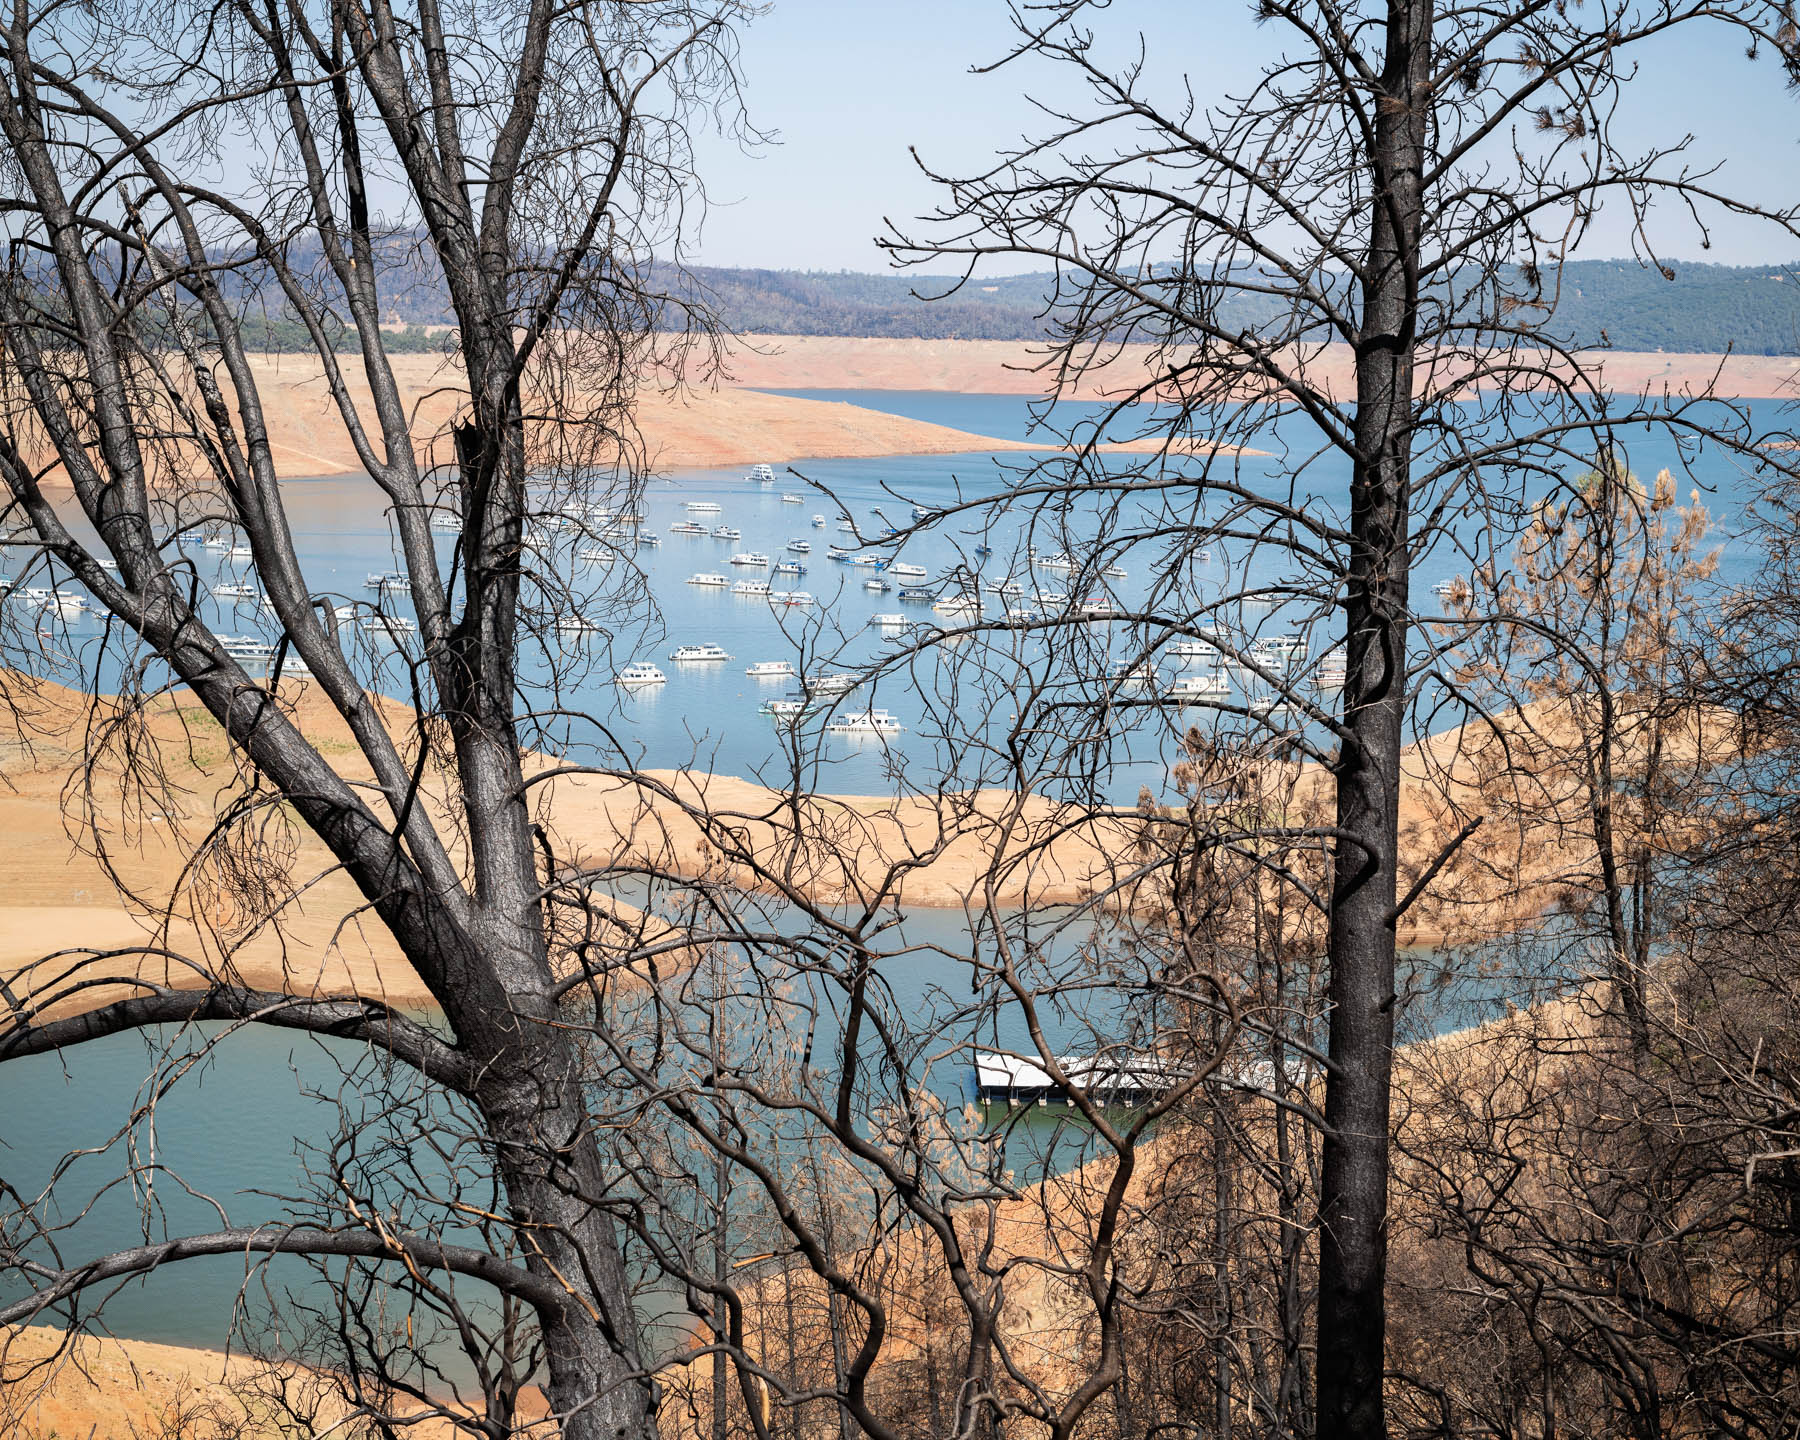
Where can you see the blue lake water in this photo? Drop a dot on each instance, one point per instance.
(237, 1124)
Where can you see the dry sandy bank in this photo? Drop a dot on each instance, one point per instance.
(1011, 367)
(699, 428)
(954, 849)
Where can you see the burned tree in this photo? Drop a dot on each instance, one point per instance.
(532, 157)
(1354, 264)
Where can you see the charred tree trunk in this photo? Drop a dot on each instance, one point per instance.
(1352, 1318)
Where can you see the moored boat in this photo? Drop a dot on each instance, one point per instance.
(1199, 687)
(865, 722)
(640, 672)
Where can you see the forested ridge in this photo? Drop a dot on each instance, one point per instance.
(1705, 308)
(1708, 309)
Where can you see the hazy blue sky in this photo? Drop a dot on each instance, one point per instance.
(850, 85)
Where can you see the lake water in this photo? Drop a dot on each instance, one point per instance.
(239, 1123)
(961, 704)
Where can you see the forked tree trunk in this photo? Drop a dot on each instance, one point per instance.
(532, 1102)
(1352, 1316)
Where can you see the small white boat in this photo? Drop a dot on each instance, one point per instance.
(1098, 607)
(901, 570)
(374, 581)
(251, 648)
(649, 540)
(1053, 599)
(917, 594)
(800, 547)
(790, 567)
(688, 527)
(687, 654)
(446, 521)
(345, 612)
(890, 620)
(1200, 687)
(1134, 677)
(576, 625)
(236, 591)
(1023, 615)
(240, 552)
(878, 587)
(1192, 650)
(1009, 588)
(829, 684)
(801, 598)
(640, 672)
(750, 587)
(1330, 679)
(750, 557)
(771, 670)
(761, 475)
(919, 512)
(50, 601)
(958, 605)
(217, 542)
(709, 580)
(1451, 589)
(701, 507)
(391, 624)
(818, 522)
(597, 555)
(864, 560)
(1114, 572)
(845, 523)
(865, 722)
(784, 709)
(1274, 707)
(792, 500)
(727, 532)
(1058, 561)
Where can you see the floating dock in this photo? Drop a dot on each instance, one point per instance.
(1112, 1079)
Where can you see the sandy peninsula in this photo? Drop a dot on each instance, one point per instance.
(735, 420)
(1010, 367)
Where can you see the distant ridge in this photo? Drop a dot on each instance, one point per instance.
(1703, 309)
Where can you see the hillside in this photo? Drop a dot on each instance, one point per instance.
(1703, 309)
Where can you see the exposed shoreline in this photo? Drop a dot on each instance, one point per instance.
(1009, 367)
(740, 422)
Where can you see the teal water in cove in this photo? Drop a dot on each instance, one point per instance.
(240, 1123)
